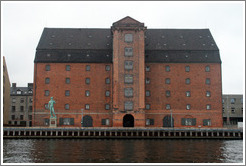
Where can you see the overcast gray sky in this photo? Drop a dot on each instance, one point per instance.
(22, 24)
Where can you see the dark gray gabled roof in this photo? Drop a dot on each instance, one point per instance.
(179, 39)
(95, 45)
(24, 91)
(74, 39)
(155, 39)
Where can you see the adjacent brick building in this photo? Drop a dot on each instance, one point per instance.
(6, 93)
(128, 76)
(21, 105)
(232, 109)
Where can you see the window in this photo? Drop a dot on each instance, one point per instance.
(107, 93)
(30, 117)
(223, 101)
(147, 81)
(167, 81)
(105, 121)
(208, 94)
(187, 81)
(13, 100)
(68, 67)
(21, 108)
(66, 121)
(147, 106)
(13, 117)
(207, 81)
(13, 108)
(188, 121)
(128, 65)
(233, 100)
(87, 93)
(46, 106)
(168, 107)
(87, 106)
(187, 68)
(88, 68)
(107, 81)
(30, 108)
(67, 93)
(206, 122)
(22, 100)
(19, 92)
(128, 38)
(46, 92)
(147, 68)
(232, 110)
(150, 122)
(128, 78)
(241, 100)
(188, 106)
(168, 93)
(128, 105)
(147, 93)
(67, 106)
(128, 51)
(30, 91)
(167, 68)
(128, 92)
(87, 80)
(67, 80)
(223, 110)
(47, 80)
(47, 67)
(46, 122)
(21, 117)
(208, 107)
(107, 68)
(207, 68)
(107, 106)
(187, 93)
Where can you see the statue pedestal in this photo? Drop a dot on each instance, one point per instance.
(53, 122)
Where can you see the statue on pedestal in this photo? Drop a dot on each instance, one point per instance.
(51, 107)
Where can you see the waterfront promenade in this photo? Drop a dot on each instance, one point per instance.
(91, 132)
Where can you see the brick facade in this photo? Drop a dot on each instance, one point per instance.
(178, 88)
(107, 100)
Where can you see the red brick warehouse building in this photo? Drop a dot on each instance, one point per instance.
(128, 76)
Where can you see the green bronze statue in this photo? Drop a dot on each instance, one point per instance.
(51, 107)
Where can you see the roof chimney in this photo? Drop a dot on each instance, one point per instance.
(14, 85)
(30, 85)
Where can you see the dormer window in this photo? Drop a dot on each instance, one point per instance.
(18, 92)
(30, 91)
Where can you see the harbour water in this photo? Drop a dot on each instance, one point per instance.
(122, 151)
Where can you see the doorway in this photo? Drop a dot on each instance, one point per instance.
(128, 120)
(167, 122)
(87, 121)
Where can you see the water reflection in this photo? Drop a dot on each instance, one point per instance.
(122, 151)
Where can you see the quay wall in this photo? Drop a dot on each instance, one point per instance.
(159, 133)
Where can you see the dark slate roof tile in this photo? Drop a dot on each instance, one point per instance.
(58, 42)
(24, 90)
(156, 39)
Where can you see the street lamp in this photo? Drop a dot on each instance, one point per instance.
(171, 118)
(82, 117)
